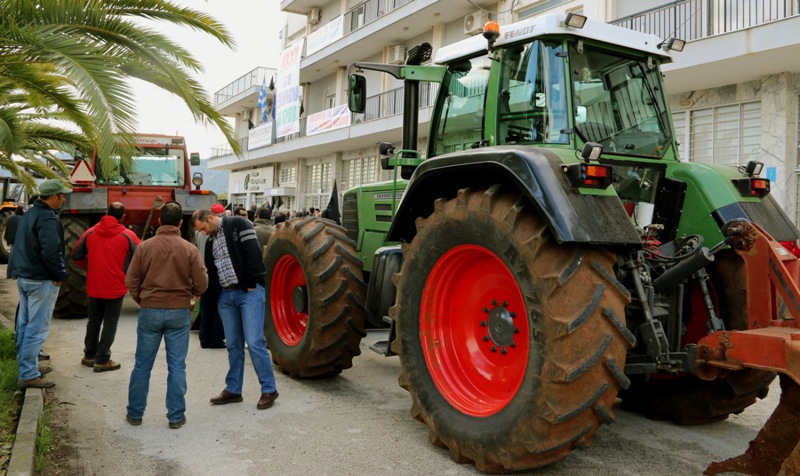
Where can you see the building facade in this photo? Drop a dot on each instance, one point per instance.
(734, 91)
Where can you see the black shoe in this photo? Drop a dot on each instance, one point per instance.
(43, 356)
(177, 424)
(133, 421)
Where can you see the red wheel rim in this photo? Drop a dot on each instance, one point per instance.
(287, 281)
(474, 330)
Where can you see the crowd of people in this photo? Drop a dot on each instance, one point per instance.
(221, 275)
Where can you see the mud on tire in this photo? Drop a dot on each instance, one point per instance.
(73, 303)
(315, 311)
(512, 345)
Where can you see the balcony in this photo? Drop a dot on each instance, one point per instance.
(366, 131)
(373, 24)
(243, 92)
(729, 41)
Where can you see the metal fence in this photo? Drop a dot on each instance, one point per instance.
(369, 11)
(695, 19)
(254, 78)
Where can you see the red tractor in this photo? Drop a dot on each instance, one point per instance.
(159, 173)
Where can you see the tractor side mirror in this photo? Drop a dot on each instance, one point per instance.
(357, 96)
(194, 159)
(385, 150)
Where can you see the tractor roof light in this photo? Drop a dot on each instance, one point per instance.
(754, 168)
(491, 31)
(672, 44)
(575, 20)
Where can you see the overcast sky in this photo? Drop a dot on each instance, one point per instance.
(254, 25)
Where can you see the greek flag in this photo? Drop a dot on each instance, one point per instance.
(262, 100)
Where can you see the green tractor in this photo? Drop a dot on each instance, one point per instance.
(550, 254)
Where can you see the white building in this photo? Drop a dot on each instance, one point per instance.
(734, 91)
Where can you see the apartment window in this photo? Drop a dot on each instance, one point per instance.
(727, 135)
(359, 172)
(288, 175)
(543, 7)
(330, 101)
(679, 122)
(318, 185)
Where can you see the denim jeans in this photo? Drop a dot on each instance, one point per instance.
(242, 316)
(173, 325)
(102, 313)
(37, 298)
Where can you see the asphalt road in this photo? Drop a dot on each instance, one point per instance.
(358, 423)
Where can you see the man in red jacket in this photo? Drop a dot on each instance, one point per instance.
(105, 250)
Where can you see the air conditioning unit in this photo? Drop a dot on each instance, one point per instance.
(314, 15)
(397, 54)
(473, 23)
(246, 115)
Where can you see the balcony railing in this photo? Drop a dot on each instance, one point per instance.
(254, 78)
(695, 19)
(367, 12)
(386, 104)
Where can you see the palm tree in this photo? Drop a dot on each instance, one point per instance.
(64, 66)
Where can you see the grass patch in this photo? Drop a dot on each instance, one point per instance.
(45, 441)
(10, 399)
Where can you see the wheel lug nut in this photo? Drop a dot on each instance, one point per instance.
(493, 349)
(503, 351)
(505, 303)
(512, 344)
(513, 315)
(486, 338)
(486, 310)
(516, 330)
(494, 302)
(483, 323)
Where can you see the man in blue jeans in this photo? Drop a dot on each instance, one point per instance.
(39, 265)
(233, 257)
(166, 276)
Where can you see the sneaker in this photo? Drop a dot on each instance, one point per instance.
(110, 365)
(43, 356)
(87, 362)
(37, 382)
(45, 369)
(133, 421)
(177, 424)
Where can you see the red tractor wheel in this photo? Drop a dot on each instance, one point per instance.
(512, 345)
(315, 298)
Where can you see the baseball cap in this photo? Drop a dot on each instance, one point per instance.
(52, 187)
(217, 209)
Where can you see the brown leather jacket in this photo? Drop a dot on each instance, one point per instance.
(166, 271)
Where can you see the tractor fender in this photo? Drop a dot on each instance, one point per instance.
(537, 174)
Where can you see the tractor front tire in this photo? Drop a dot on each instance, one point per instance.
(315, 311)
(688, 400)
(73, 303)
(512, 345)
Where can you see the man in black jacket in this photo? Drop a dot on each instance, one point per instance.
(39, 265)
(233, 258)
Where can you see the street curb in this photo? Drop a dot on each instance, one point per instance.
(23, 454)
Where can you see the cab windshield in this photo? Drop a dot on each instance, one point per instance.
(152, 166)
(618, 102)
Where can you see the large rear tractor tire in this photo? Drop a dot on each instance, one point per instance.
(315, 311)
(73, 303)
(686, 399)
(512, 345)
(5, 247)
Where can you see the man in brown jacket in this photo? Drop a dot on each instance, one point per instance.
(165, 277)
